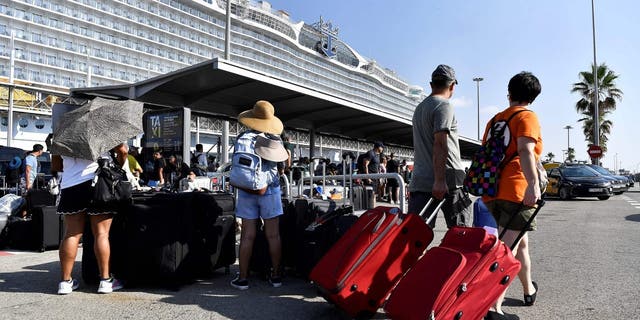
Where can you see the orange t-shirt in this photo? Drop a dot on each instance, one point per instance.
(512, 183)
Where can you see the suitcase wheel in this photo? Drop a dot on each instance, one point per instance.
(458, 315)
(494, 266)
(505, 280)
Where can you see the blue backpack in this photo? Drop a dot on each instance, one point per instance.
(246, 166)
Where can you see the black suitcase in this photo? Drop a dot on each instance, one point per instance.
(216, 229)
(318, 237)
(40, 233)
(260, 262)
(38, 198)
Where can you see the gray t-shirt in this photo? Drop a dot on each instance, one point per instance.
(434, 114)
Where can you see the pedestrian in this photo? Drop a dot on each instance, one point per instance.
(134, 165)
(159, 167)
(519, 189)
(393, 166)
(382, 186)
(32, 167)
(437, 169)
(369, 162)
(75, 205)
(199, 161)
(262, 136)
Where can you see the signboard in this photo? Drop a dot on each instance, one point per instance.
(167, 131)
(594, 151)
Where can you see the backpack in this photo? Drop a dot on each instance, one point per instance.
(14, 170)
(487, 163)
(246, 165)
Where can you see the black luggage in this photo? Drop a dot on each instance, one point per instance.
(319, 236)
(38, 198)
(152, 244)
(260, 262)
(41, 232)
(216, 228)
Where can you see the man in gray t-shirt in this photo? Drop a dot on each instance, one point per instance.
(437, 170)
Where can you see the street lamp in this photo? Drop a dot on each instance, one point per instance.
(596, 95)
(477, 80)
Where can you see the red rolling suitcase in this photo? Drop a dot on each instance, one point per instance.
(460, 279)
(361, 269)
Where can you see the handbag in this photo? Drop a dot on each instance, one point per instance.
(111, 187)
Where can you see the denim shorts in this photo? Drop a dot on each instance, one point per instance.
(253, 206)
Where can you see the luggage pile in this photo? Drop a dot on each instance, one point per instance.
(168, 239)
(383, 261)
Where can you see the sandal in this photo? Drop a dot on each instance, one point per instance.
(529, 300)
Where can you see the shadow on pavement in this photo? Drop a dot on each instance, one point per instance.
(296, 299)
(633, 217)
(40, 278)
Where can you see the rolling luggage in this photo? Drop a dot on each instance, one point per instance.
(361, 269)
(319, 236)
(216, 228)
(155, 242)
(460, 279)
(41, 232)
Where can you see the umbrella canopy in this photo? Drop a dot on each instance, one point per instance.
(97, 127)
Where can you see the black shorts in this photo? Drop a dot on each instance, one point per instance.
(77, 199)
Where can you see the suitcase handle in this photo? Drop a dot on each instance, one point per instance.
(435, 211)
(540, 204)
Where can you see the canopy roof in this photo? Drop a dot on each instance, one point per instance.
(224, 89)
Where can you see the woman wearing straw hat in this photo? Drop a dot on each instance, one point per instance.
(265, 203)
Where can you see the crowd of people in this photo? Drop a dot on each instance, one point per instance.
(437, 172)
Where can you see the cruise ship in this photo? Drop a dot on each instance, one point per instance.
(62, 44)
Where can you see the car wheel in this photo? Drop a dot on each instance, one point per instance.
(564, 193)
(603, 197)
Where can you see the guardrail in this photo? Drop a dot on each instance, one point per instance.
(397, 176)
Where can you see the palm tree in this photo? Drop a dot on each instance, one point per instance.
(571, 154)
(550, 157)
(607, 96)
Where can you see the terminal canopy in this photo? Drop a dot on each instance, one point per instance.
(221, 88)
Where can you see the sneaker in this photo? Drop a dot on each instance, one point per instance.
(242, 284)
(275, 281)
(109, 285)
(66, 287)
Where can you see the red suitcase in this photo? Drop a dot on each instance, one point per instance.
(361, 269)
(460, 279)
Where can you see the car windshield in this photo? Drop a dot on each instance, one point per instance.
(579, 172)
(600, 170)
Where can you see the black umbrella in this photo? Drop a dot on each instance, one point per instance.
(97, 127)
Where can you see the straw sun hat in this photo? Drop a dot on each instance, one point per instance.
(262, 118)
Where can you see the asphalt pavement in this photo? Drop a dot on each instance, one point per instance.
(585, 256)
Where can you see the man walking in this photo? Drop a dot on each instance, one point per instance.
(438, 171)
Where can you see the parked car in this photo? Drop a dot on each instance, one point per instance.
(620, 184)
(571, 181)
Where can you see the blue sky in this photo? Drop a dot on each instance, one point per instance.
(496, 39)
